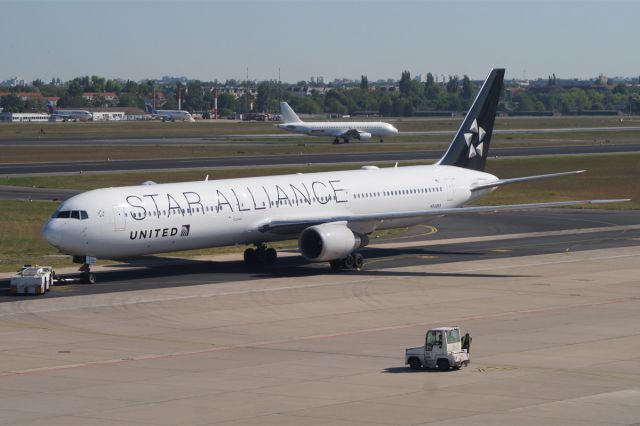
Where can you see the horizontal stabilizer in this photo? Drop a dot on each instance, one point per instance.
(501, 182)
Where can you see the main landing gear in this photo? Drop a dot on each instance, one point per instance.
(260, 254)
(352, 261)
(86, 276)
(336, 141)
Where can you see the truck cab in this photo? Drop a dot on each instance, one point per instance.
(442, 350)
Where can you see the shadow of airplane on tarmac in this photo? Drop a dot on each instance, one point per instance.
(151, 272)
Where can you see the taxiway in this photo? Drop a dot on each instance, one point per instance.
(554, 321)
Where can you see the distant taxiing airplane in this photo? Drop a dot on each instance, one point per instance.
(69, 114)
(331, 214)
(169, 114)
(345, 130)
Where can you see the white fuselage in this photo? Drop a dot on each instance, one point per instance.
(73, 114)
(173, 115)
(137, 220)
(339, 128)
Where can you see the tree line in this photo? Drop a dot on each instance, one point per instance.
(408, 97)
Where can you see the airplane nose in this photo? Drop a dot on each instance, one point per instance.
(51, 233)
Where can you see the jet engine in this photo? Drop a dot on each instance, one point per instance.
(329, 241)
(364, 136)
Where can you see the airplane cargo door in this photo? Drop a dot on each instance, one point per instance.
(450, 184)
(119, 219)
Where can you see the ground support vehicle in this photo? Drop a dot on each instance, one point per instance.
(442, 350)
(32, 280)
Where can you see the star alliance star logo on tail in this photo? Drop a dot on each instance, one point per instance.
(475, 139)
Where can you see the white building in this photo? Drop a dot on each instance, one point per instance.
(108, 116)
(23, 117)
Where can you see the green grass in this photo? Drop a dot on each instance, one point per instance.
(608, 176)
(213, 128)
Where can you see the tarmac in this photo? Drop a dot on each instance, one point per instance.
(554, 316)
(56, 168)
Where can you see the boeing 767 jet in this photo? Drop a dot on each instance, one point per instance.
(331, 214)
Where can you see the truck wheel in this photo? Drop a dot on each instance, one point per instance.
(415, 363)
(443, 364)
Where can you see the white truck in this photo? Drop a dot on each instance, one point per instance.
(32, 280)
(442, 349)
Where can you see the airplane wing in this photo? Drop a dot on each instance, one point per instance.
(501, 182)
(292, 225)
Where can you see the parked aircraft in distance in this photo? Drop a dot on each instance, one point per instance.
(331, 214)
(69, 114)
(169, 114)
(345, 130)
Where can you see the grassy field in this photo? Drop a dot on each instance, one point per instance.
(608, 176)
(213, 128)
(111, 152)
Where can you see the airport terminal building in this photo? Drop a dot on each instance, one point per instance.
(23, 117)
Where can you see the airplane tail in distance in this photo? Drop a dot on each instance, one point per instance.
(50, 107)
(288, 115)
(470, 146)
(149, 108)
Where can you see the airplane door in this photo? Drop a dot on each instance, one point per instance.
(119, 219)
(450, 188)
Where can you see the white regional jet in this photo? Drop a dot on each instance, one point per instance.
(346, 130)
(331, 214)
(169, 114)
(69, 114)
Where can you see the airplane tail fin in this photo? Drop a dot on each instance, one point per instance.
(50, 107)
(470, 146)
(148, 107)
(288, 115)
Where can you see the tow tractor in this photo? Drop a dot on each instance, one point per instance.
(32, 279)
(442, 350)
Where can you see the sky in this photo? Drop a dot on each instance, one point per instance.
(221, 39)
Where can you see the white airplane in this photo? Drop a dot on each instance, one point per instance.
(331, 214)
(169, 114)
(346, 130)
(69, 114)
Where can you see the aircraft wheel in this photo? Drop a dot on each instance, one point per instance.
(348, 261)
(270, 255)
(336, 141)
(335, 264)
(358, 260)
(88, 278)
(250, 256)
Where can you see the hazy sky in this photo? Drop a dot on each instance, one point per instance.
(219, 39)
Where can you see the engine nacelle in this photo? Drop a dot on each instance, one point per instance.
(364, 136)
(329, 241)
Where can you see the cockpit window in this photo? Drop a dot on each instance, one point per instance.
(71, 214)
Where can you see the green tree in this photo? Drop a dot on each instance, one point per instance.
(386, 106)
(364, 83)
(405, 82)
(452, 84)
(75, 88)
(467, 90)
(12, 103)
(113, 86)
